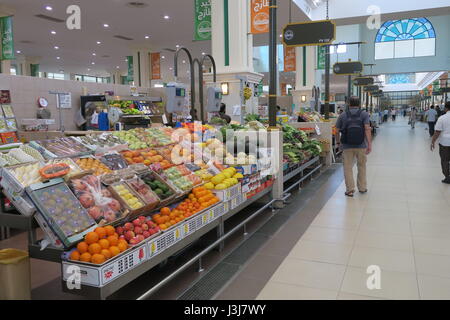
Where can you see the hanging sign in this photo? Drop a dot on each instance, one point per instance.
(321, 57)
(371, 88)
(347, 68)
(259, 11)
(130, 68)
(316, 33)
(34, 70)
(444, 90)
(7, 37)
(289, 59)
(155, 59)
(202, 20)
(363, 81)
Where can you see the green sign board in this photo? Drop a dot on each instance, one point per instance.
(321, 57)
(130, 68)
(6, 34)
(34, 70)
(202, 20)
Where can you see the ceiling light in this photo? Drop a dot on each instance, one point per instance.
(117, 67)
(281, 36)
(57, 58)
(98, 42)
(92, 63)
(18, 51)
(177, 46)
(163, 57)
(106, 25)
(166, 17)
(56, 47)
(94, 54)
(184, 61)
(170, 68)
(146, 37)
(89, 69)
(53, 32)
(203, 53)
(48, 8)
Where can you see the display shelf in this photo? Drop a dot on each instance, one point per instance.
(300, 169)
(133, 98)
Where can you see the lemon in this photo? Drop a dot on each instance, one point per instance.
(238, 176)
(233, 169)
(227, 174)
(209, 185)
(235, 181)
(218, 178)
(221, 186)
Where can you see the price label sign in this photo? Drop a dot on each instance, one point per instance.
(316, 33)
(318, 130)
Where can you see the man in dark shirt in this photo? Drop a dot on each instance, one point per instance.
(352, 152)
(222, 113)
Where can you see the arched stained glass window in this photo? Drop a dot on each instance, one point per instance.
(405, 38)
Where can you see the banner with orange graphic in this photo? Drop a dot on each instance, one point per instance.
(155, 65)
(259, 16)
(289, 59)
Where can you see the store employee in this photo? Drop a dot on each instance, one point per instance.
(222, 113)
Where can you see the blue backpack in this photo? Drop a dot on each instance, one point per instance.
(353, 132)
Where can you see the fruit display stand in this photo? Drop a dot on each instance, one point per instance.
(100, 281)
(325, 130)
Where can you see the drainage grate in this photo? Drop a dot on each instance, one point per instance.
(211, 283)
(247, 249)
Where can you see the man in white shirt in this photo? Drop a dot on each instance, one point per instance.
(431, 118)
(443, 134)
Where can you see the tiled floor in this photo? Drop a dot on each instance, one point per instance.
(402, 225)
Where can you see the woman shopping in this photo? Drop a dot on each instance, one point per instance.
(412, 118)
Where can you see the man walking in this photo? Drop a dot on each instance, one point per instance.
(356, 137)
(431, 118)
(385, 115)
(443, 134)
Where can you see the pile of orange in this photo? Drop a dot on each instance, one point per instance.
(98, 246)
(147, 157)
(198, 200)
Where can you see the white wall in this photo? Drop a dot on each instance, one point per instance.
(25, 92)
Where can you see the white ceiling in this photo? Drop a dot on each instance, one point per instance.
(76, 47)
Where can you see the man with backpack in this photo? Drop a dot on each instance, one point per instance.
(355, 135)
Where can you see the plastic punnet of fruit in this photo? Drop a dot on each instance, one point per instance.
(128, 196)
(93, 164)
(97, 200)
(144, 191)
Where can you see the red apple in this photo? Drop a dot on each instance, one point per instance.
(140, 237)
(138, 230)
(133, 241)
(145, 227)
(114, 205)
(129, 235)
(106, 193)
(137, 222)
(129, 226)
(146, 234)
(95, 213)
(86, 200)
(142, 218)
(120, 230)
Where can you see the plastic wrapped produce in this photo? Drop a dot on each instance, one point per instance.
(114, 161)
(32, 152)
(97, 200)
(21, 156)
(144, 191)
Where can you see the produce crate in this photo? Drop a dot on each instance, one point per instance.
(9, 181)
(229, 193)
(146, 209)
(22, 203)
(99, 276)
(156, 176)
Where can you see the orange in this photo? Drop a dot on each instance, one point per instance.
(98, 259)
(172, 222)
(106, 253)
(122, 246)
(101, 232)
(113, 240)
(104, 243)
(123, 241)
(165, 211)
(75, 255)
(95, 248)
(114, 251)
(162, 226)
(82, 247)
(85, 257)
(91, 237)
(110, 230)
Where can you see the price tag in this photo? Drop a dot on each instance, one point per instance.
(164, 119)
(186, 228)
(153, 248)
(177, 234)
(317, 130)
